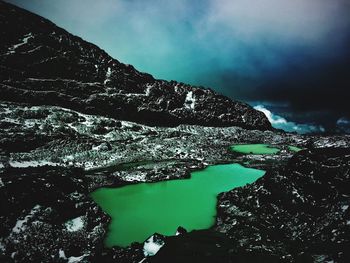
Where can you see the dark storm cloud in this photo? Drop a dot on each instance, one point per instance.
(320, 87)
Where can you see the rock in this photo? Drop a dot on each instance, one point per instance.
(298, 213)
(180, 230)
(43, 64)
(48, 215)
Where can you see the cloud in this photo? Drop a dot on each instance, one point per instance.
(343, 124)
(279, 122)
(308, 22)
(239, 36)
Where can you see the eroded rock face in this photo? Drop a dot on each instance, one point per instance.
(43, 64)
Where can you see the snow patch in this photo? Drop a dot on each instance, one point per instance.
(148, 89)
(108, 75)
(61, 254)
(344, 208)
(152, 246)
(21, 223)
(190, 101)
(101, 147)
(23, 42)
(2, 246)
(138, 177)
(75, 224)
(76, 259)
(11, 120)
(24, 164)
(295, 192)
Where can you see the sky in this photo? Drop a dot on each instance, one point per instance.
(278, 52)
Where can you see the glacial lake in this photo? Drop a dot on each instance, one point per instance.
(140, 210)
(254, 149)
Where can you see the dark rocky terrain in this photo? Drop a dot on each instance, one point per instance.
(73, 119)
(297, 213)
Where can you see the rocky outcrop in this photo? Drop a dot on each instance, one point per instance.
(47, 216)
(299, 213)
(43, 64)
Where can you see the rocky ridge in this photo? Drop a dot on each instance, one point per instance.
(43, 64)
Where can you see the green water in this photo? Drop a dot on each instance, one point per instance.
(140, 210)
(294, 148)
(254, 149)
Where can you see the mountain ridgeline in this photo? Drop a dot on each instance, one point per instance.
(43, 64)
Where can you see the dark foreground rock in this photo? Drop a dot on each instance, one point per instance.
(43, 64)
(47, 216)
(299, 213)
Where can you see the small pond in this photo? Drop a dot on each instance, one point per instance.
(254, 149)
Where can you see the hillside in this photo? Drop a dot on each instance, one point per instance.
(43, 64)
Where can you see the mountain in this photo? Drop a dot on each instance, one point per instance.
(45, 65)
(73, 120)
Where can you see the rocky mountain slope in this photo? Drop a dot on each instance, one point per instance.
(72, 119)
(43, 64)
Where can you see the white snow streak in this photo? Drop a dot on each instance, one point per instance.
(24, 164)
(23, 42)
(76, 259)
(108, 75)
(189, 101)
